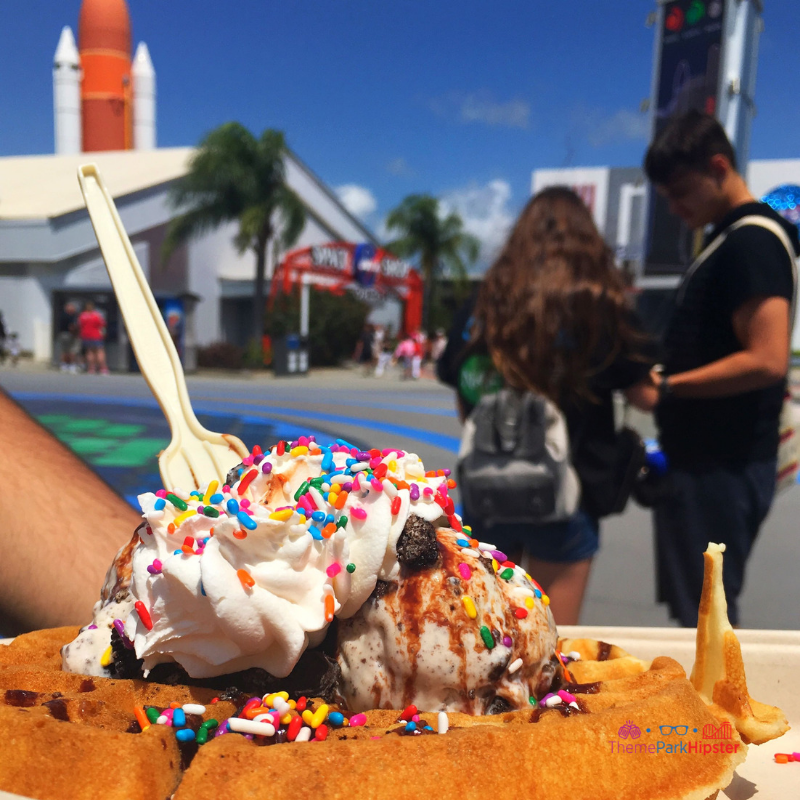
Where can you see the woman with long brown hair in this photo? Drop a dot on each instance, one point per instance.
(552, 317)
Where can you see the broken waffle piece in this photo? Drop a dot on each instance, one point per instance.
(718, 673)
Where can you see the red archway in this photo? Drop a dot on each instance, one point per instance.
(339, 266)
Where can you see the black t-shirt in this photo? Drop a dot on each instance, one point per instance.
(742, 428)
(469, 370)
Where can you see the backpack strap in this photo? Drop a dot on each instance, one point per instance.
(751, 219)
(778, 230)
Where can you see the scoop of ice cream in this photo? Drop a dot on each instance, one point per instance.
(251, 574)
(459, 629)
(88, 653)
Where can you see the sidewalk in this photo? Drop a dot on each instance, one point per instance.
(420, 416)
(349, 370)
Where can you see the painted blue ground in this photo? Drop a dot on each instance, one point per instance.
(141, 475)
(251, 425)
(246, 412)
(349, 401)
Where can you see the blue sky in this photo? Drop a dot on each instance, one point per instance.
(460, 99)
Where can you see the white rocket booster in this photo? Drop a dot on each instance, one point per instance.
(67, 94)
(144, 99)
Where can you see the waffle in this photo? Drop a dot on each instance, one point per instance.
(718, 673)
(617, 734)
(66, 725)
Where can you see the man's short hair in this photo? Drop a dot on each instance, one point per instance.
(687, 143)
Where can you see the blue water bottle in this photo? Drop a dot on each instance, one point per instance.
(655, 458)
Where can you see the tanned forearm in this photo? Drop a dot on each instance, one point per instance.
(735, 374)
(60, 527)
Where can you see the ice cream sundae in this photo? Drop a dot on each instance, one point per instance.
(332, 596)
(306, 542)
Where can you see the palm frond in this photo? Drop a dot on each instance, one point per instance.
(293, 217)
(405, 247)
(223, 167)
(412, 213)
(254, 224)
(194, 222)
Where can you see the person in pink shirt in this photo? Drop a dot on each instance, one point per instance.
(404, 354)
(92, 330)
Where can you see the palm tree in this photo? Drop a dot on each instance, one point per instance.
(439, 242)
(234, 176)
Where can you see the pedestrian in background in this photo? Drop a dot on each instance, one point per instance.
(438, 345)
(14, 348)
(552, 317)
(364, 348)
(3, 334)
(383, 350)
(726, 357)
(92, 328)
(68, 343)
(404, 354)
(420, 346)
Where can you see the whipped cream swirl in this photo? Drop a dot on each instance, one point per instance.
(240, 578)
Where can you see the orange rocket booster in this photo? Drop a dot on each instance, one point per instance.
(104, 41)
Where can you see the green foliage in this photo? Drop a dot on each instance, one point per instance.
(439, 242)
(234, 176)
(335, 323)
(448, 299)
(220, 355)
(253, 356)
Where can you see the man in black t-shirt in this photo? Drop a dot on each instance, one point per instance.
(726, 354)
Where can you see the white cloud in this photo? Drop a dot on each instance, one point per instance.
(384, 233)
(482, 107)
(486, 214)
(358, 200)
(624, 124)
(399, 167)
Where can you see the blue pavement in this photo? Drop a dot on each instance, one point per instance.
(246, 413)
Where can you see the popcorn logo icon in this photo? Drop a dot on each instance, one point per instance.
(724, 731)
(629, 730)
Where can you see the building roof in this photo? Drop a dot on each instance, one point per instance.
(42, 187)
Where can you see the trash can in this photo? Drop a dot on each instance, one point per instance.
(290, 355)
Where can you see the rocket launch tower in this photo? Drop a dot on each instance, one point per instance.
(103, 100)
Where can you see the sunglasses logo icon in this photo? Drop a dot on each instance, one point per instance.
(667, 730)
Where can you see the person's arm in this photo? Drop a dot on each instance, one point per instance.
(61, 527)
(643, 395)
(762, 327)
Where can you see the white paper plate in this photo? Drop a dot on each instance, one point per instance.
(772, 667)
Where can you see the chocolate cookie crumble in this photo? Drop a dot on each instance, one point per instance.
(417, 547)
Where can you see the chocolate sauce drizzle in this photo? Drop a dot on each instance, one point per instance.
(604, 651)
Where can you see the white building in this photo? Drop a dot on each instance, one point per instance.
(49, 254)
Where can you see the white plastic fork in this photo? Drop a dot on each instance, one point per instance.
(195, 456)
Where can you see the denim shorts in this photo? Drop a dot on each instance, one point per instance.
(574, 539)
(92, 344)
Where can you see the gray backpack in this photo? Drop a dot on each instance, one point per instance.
(514, 462)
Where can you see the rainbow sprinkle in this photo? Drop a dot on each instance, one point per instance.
(325, 505)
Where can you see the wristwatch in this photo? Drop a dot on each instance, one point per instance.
(664, 387)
